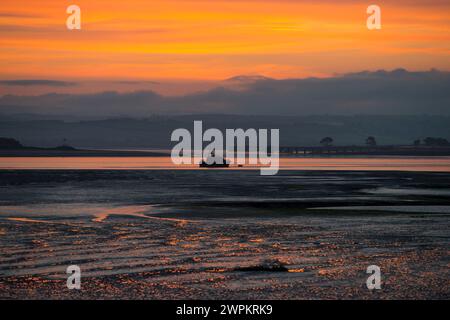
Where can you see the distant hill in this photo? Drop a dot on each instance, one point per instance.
(247, 79)
(13, 144)
(9, 143)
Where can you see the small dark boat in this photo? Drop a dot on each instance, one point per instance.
(204, 164)
(214, 164)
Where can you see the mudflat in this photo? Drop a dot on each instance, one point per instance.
(194, 234)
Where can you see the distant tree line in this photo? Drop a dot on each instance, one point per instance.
(372, 142)
(430, 141)
(328, 141)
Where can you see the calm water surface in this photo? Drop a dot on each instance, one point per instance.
(429, 164)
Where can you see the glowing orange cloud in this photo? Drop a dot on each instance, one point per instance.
(187, 39)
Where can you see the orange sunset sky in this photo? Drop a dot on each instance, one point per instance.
(217, 39)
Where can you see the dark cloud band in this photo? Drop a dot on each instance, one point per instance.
(51, 83)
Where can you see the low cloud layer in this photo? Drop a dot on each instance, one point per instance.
(397, 92)
(27, 83)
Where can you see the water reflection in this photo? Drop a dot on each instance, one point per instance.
(436, 164)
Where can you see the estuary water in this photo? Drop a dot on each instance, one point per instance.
(163, 234)
(436, 164)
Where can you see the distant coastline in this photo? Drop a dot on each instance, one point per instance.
(425, 151)
(12, 148)
(43, 152)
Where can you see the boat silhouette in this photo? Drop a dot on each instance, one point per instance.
(210, 163)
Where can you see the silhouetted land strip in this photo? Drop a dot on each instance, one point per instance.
(55, 152)
(369, 150)
(10, 147)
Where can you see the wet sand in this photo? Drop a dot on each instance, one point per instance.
(228, 235)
